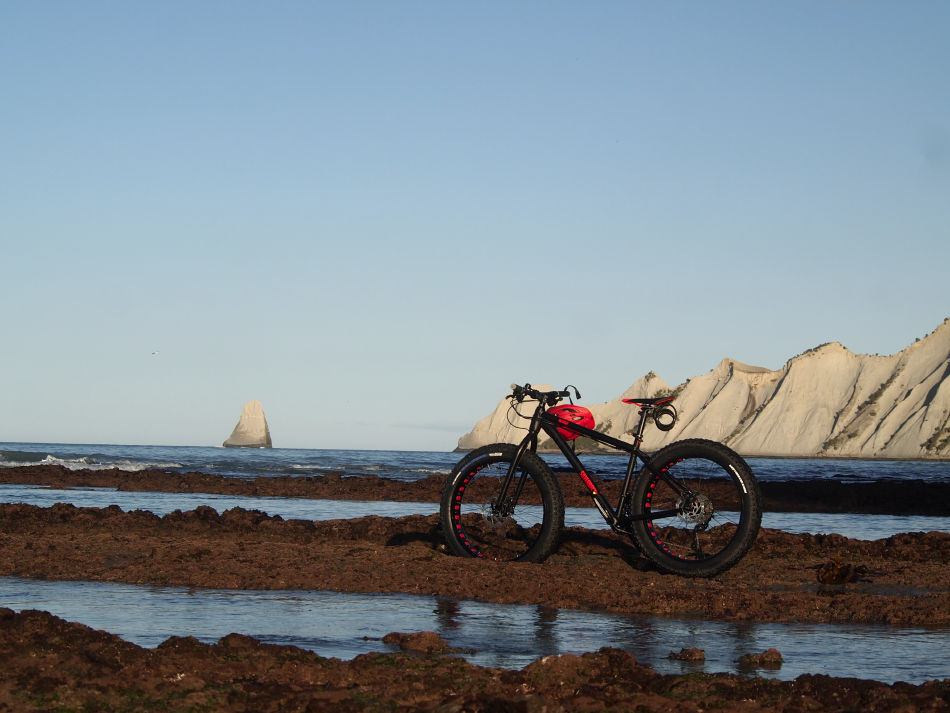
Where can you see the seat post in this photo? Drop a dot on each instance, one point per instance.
(645, 411)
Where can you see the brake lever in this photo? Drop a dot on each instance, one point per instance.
(518, 392)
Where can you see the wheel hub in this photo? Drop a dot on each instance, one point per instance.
(496, 518)
(695, 508)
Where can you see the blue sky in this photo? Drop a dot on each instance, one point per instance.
(374, 216)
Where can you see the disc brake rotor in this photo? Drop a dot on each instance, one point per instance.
(495, 519)
(695, 509)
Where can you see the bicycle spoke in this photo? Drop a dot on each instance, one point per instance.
(481, 521)
(702, 512)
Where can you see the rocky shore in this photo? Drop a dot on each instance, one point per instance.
(50, 664)
(53, 665)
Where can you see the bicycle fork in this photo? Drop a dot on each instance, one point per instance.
(505, 505)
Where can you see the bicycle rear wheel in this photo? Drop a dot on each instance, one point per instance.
(704, 505)
(476, 526)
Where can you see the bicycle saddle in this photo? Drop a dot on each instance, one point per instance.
(649, 402)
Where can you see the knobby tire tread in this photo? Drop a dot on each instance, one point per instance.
(698, 449)
(538, 471)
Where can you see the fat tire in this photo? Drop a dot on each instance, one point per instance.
(470, 534)
(695, 460)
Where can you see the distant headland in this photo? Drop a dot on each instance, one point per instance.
(825, 402)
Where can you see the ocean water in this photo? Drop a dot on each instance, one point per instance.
(409, 465)
(231, 462)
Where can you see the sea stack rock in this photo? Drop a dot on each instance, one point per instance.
(251, 431)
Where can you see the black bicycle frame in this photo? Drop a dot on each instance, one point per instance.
(544, 421)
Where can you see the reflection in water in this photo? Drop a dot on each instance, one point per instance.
(509, 636)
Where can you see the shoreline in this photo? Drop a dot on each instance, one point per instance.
(785, 456)
(457, 450)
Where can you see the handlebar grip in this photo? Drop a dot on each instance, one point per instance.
(519, 392)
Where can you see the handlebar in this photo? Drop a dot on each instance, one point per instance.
(660, 409)
(520, 393)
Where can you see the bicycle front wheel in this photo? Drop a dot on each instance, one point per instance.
(478, 520)
(700, 508)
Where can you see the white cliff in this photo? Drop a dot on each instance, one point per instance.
(251, 430)
(825, 402)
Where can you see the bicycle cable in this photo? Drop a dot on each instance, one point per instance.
(511, 407)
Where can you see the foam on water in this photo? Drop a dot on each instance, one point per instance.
(14, 459)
